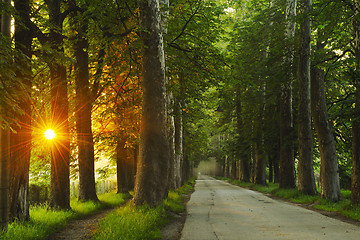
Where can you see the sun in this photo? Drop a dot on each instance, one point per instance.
(49, 134)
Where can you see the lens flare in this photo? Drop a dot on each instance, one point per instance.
(49, 134)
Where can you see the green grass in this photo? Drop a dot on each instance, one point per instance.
(144, 222)
(44, 222)
(131, 222)
(174, 202)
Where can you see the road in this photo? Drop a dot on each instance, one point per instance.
(219, 210)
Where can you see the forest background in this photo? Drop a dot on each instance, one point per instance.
(237, 89)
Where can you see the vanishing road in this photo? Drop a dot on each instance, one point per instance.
(218, 210)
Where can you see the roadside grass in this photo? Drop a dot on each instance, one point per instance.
(44, 221)
(343, 206)
(143, 222)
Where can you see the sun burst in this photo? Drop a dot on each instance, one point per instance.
(49, 134)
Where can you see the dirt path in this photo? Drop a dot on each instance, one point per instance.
(80, 228)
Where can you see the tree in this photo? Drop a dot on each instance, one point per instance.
(21, 138)
(305, 166)
(4, 136)
(60, 151)
(355, 179)
(84, 102)
(153, 149)
(287, 164)
(329, 170)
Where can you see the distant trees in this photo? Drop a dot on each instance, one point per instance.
(333, 78)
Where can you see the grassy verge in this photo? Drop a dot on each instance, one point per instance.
(44, 222)
(343, 207)
(143, 222)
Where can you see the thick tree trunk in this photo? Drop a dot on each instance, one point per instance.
(154, 147)
(355, 178)
(287, 163)
(4, 175)
(329, 170)
(21, 140)
(306, 180)
(85, 142)
(4, 145)
(60, 183)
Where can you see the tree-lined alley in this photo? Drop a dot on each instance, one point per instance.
(267, 88)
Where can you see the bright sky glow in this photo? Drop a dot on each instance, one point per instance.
(49, 134)
(229, 10)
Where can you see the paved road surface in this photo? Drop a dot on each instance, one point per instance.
(218, 210)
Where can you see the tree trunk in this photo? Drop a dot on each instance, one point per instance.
(260, 164)
(306, 180)
(287, 163)
(276, 169)
(21, 140)
(271, 169)
(329, 170)
(355, 178)
(171, 136)
(244, 166)
(154, 147)
(60, 183)
(84, 100)
(4, 145)
(260, 167)
(123, 168)
(178, 142)
(4, 174)
(233, 170)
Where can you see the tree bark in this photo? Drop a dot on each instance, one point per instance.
(171, 136)
(60, 183)
(233, 170)
(178, 142)
(4, 145)
(244, 166)
(329, 169)
(306, 179)
(260, 167)
(260, 164)
(154, 147)
(21, 140)
(123, 168)
(84, 100)
(355, 178)
(287, 163)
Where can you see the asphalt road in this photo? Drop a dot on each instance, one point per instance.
(219, 210)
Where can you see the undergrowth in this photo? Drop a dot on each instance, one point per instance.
(142, 222)
(44, 221)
